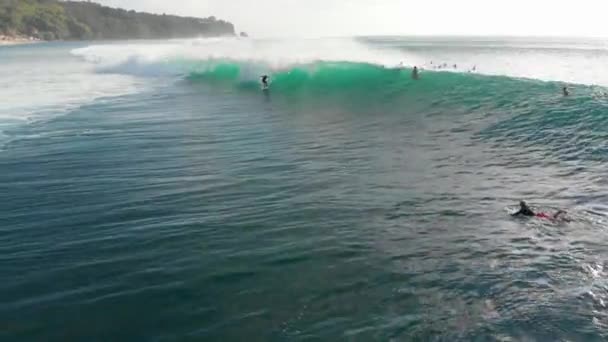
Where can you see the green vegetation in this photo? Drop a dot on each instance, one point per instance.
(74, 20)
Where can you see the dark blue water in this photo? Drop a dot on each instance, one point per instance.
(212, 212)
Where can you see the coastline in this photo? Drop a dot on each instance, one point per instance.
(17, 40)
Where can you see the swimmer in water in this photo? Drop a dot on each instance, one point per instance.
(524, 210)
(264, 81)
(415, 73)
(565, 91)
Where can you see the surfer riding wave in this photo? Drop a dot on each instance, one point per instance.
(264, 81)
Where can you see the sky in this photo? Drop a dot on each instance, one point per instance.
(319, 18)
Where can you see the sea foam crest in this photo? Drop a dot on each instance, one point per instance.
(155, 59)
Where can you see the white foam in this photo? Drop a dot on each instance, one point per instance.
(275, 54)
(37, 83)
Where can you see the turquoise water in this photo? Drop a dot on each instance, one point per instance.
(174, 200)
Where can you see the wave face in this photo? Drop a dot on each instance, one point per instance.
(516, 82)
(519, 111)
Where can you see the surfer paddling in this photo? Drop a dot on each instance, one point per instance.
(524, 210)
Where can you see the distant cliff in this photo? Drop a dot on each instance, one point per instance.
(74, 20)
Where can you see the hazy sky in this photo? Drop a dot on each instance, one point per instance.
(393, 17)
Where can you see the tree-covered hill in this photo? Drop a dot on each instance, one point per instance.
(75, 20)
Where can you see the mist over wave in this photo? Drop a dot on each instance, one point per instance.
(180, 56)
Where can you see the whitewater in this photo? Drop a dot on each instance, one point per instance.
(152, 191)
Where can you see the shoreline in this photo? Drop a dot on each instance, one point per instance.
(10, 40)
(17, 40)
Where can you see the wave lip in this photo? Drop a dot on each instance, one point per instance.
(175, 57)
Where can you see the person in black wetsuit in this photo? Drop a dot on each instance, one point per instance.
(415, 73)
(264, 80)
(524, 210)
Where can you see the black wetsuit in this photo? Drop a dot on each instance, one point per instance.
(525, 211)
(265, 80)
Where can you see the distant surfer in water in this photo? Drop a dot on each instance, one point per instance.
(264, 81)
(565, 91)
(415, 73)
(524, 210)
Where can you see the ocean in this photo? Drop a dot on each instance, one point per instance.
(151, 191)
